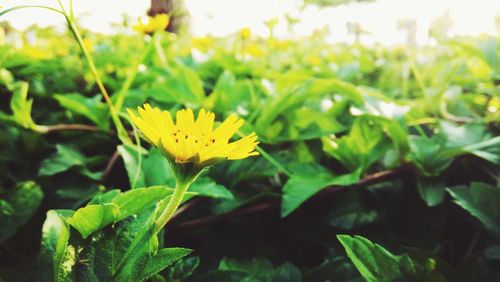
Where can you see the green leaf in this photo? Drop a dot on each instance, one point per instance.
(428, 155)
(156, 169)
(287, 272)
(116, 207)
(133, 162)
(472, 138)
(256, 269)
(64, 159)
(91, 108)
(335, 267)
(229, 93)
(104, 198)
(293, 91)
(309, 180)
(362, 147)
(120, 252)
(21, 107)
(183, 268)
(119, 206)
(146, 169)
(352, 210)
(376, 264)
(205, 186)
(57, 257)
(18, 207)
(481, 201)
(93, 217)
(180, 85)
(126, 250)
(162, 259)
(431, 189)
(133, 201)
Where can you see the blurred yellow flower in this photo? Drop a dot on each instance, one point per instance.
(156, 23)
(253, 50)
(36, 53)
(202, 43)
(89, 44)
(245, 33)
(2, 36)
(280, 44)
(193, 142)
(314, 60)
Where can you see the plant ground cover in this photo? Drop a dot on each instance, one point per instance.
(376, 163)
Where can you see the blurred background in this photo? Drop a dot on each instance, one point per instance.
(369, 21)
(376, 118)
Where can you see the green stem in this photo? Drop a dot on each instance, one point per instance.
(174, 202)
(122, 133)
(159, 51)
(29, 6)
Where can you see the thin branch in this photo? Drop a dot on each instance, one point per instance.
(270, 204)
(111, 163)
(261, 207)
(71, 127)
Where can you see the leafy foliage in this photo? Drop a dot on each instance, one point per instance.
(480, 201)
(377, 264)
(401, 146)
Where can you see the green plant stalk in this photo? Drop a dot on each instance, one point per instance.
(121, 132)
(418, 76)
(29, 6)
(174, 202)
(159, 51)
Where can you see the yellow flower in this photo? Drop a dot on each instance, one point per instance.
(245, 33)
(156, 23)
(189, 144)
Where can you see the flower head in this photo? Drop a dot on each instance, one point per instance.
(156, 23)
(189, 144)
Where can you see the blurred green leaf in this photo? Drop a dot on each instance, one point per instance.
(287, 272)
(431, 189)
(18, 207)
(352, 210)
(481, 201)
(363, 146)
(429, 157)
(377, 264)
(308, 180)
(64, 159)
(183, 269)
(91, 108)
(57, 257)
(162, 259)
